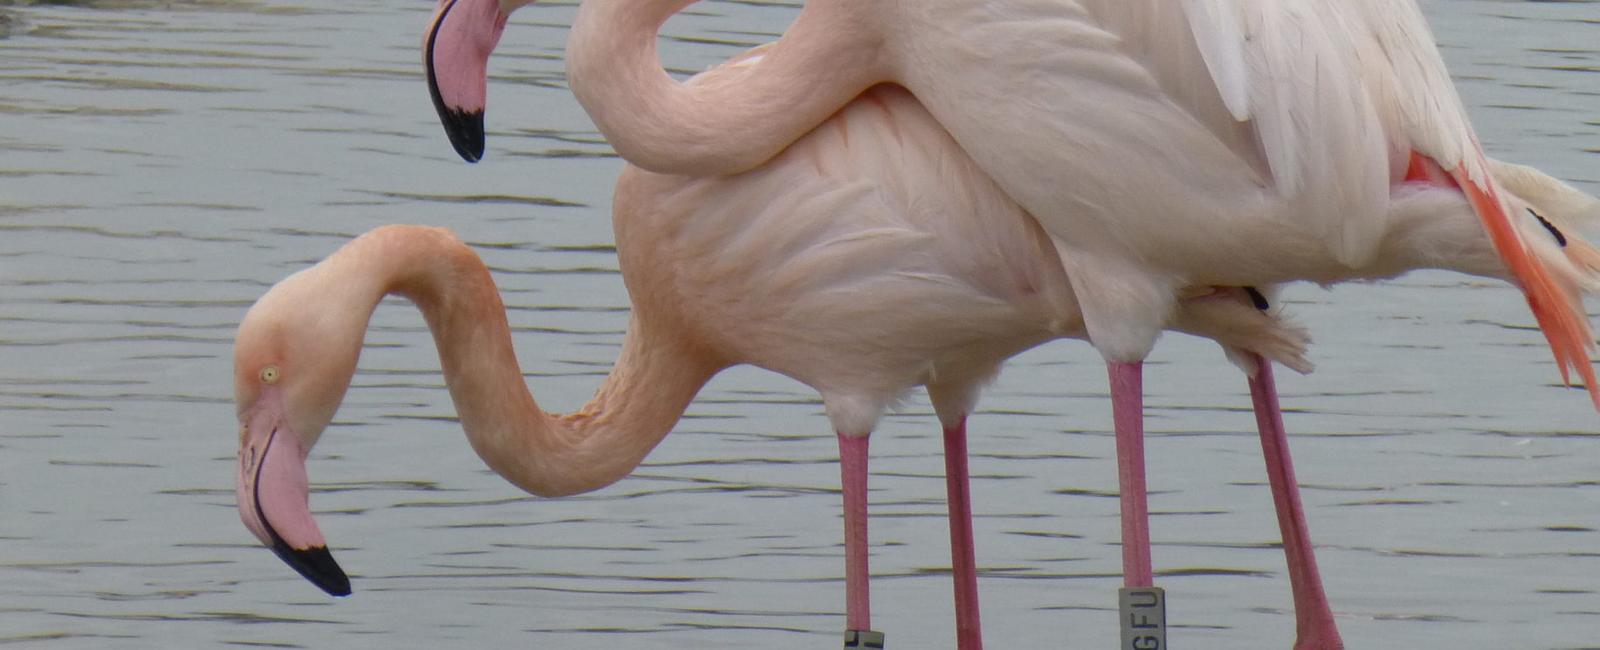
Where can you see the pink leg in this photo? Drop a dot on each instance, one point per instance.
(963, 563)
(1313, 618)
(1127, 409)
(853, 470)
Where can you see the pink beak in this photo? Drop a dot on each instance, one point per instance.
(274, 498)
(456, 53)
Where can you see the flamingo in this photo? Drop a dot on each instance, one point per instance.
(1161, 145)
(869, 258)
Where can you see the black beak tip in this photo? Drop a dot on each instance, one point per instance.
(465, 130)
(317, 565)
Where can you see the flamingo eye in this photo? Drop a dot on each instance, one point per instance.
(269, 375)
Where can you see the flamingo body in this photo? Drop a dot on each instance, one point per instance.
(873, 238)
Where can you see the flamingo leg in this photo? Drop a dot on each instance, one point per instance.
(858, 602)
(1314, 626)
(1141, 606)
(1127, 409)
(963, 562)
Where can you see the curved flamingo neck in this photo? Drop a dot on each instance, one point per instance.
(826, 58)
(645, 394)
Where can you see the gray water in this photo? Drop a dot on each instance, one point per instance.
(165, 162)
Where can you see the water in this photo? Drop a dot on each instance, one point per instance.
(165, 162)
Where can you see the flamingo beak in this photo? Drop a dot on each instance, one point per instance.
(456, 54)
(274, 501)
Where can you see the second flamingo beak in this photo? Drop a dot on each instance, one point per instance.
(274, 494)
(456, 54)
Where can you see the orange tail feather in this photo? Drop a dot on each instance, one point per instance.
(1558, 310)
(1583, 254)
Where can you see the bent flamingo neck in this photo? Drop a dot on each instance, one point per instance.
(652, 383)
(828, 56)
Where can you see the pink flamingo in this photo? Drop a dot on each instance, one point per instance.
(867, 259)
(1160, 145)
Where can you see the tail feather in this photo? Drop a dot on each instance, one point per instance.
(1229, 316)
(1583, 254)
(1557, 302)
(1574, 213)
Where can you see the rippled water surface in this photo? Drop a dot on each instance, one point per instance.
(163, 162)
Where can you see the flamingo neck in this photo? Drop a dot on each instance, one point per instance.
(749, 114)
(546, 454)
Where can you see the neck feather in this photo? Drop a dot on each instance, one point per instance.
(827, 57)
(641, 399)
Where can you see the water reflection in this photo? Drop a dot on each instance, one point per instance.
(164, 162)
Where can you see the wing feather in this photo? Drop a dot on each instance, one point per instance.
(1284, 66)
(1402, 65)
(1216, 26)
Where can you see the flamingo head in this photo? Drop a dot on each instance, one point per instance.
(456, 54)
(292, 365)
